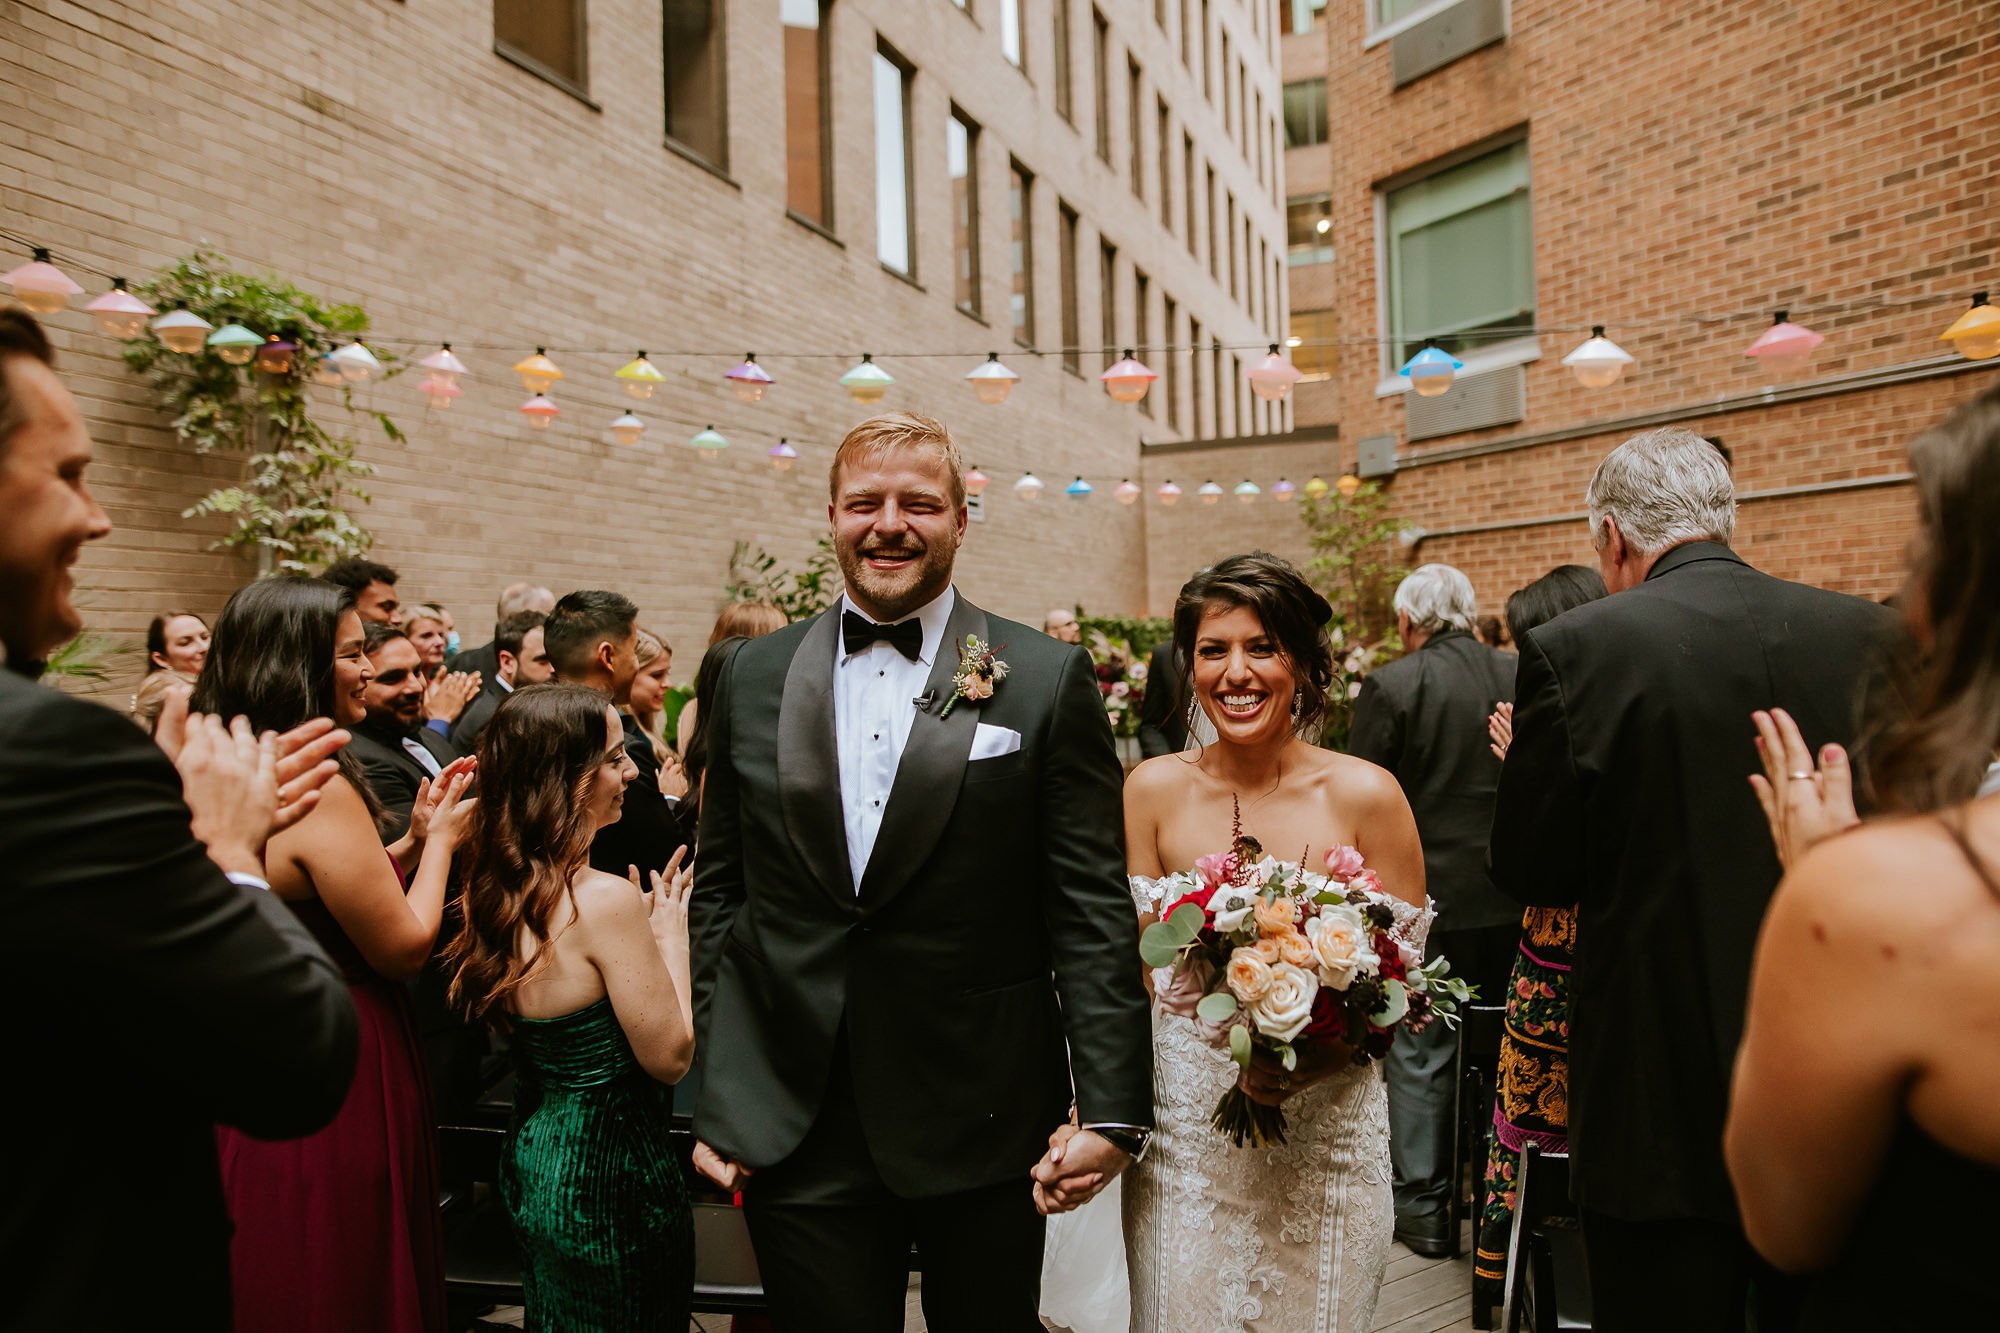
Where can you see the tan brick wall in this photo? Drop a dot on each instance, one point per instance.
(381, 153)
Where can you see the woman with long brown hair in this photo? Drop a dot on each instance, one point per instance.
(589, 974)
(1863, 1134)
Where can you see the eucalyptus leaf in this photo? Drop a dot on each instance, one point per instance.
(1218, 1007)
(1395, 1003)
(1289, 1056)
(1188, 919)
(1239, 1046)
(1160, 944)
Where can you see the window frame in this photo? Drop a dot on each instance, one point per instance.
(1100, 74)
(955, 116)
(1063, 59)
(907, 73)
(1380, 32)
(1322, 119)
(1068, 256)
(579, 88)
(719, 39)
(824, 47)
(1135, 99)
(1021, 181)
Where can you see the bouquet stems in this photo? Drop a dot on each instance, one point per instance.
(1247, 1121)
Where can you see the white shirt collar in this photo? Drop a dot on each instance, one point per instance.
(932, 616)
(504, 683)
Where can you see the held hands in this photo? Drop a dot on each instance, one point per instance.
(729, 1175)
(1500, 727)
(1804, 805)
(446, 697)
(673, 776)
(1078, 1164)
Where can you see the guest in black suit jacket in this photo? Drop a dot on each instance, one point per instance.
(888, 881)
(1163, 714)
(515, 598)
(398, 745)
(1423, 717)
(590, 638)
(1626, 790)
(517, 644)
(162, 988)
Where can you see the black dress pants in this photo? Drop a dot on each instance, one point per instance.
(1680, 1274)
(833, 1242)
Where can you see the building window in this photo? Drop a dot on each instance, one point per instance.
(1200, 421)
(1305, 113)
(1163, 129)
(1170, 379)
(961, 146)
(1257, 132)
(1100, 64)
(1214, 232)
(1309, 229)
(1264, 281)
(697, 118)
(808, 164)
(1190, 189)
(1064, 105)
(1142, 303)
(545, 37)
(1311, 341)
(1068, 259)
(1135, 127)
(1207, 65)
(1460, 250)
(1304, 15)
(1010, 33)
(1242, 110)
(1382, 13)
(1239, 393)
(1021, 299)
(1107, 291)
(895, 218)
(1229, 199)
(1223, 428)
(1228, 102)
(1187, 23)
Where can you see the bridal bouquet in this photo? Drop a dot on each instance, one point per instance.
(1267, 955)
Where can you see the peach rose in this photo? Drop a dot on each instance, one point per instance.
(1276, 916)
(977, 688)
(1296, 949)
(1249, 976)
(1267, 949)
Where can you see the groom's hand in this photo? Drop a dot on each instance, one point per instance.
(729, 1175)
(1078, 1164)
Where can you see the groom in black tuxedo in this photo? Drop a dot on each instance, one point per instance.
(914, 946)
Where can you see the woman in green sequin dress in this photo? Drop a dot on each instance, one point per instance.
(590, 975)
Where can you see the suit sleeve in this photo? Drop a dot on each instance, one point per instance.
(395, 789)
(212, 992)
(1093, 930)
(1377, 732)
(1536, 855)
(1162, 696)
(718, 870)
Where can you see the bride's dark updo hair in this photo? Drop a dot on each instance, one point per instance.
(1290, 611)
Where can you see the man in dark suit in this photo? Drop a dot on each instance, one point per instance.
(1626, 791)
(1423, 717)
(404, 741)
(591, 638)
(1162, 714)
(515, 598)
(517, 646)
(169, 991)
(892, 869)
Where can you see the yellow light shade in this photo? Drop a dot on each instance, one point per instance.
(1976, 334)
(1348, 485)
(537, 372)
(1317, 488)
(640, 377)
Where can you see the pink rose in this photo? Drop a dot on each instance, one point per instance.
(1344, 863)
(1216, 868)
(1177, 990)
(1367, 880)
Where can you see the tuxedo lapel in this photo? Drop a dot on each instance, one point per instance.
(927, 780)
(809, 763)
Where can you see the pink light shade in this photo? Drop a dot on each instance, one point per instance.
(1785, 348)
(975, 481)
(539, 411)
(782, 456)
(1170, 494)
(442, 365)
(1126, 492)
(749, 380)
(440, 391)
(119, 313)
(40, 285)
(1273, 377)
(1127, 379)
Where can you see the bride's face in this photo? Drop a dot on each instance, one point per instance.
(1241, 677)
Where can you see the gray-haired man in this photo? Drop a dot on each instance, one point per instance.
(1423, 718)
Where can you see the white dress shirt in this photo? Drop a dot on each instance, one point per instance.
(872, 714)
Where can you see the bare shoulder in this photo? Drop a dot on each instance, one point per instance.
(1157, 776)
(1903, 878)
(1354, 781)
(601, 896)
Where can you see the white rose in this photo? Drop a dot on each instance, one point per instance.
(1286, 1008)
(1136, 673)
(1119, 689)
(1231, 907)
(1342, 944)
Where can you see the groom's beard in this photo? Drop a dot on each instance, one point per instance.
(894, 594)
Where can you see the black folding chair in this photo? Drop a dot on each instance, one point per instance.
(482, 1260)
(1478, 1072)
(1548, 1287)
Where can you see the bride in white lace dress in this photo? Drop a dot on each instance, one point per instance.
(1291, 1239)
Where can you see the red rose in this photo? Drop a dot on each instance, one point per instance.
(1199, 898)
(1329, 1017)
(1392, 958)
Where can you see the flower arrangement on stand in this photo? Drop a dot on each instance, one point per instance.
(1121, 680)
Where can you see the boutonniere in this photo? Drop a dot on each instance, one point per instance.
(978, 672)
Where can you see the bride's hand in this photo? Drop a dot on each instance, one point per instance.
(1269, 1082)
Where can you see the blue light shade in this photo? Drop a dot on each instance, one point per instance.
(1432, 361)
(1078, 489)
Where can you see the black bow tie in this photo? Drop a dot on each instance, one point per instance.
(858, 632)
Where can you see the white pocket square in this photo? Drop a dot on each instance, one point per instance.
(992, 742)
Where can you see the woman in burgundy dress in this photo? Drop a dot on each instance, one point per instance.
(338, 1231)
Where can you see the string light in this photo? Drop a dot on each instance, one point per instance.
(1247, 491)
(782, 456)
(1029, 487)
(442, 367)
(1976, 334)
(40, 285)
(749, 380)
(1785, 349)
(326, 372)
(276, 355)
(1284, 491)
(1078, 489)
(1347, 485)
(626, 429)
(640, 377)
(119, 313)
(439, 391)
(538, 373)
(867, 383)
(708, 442)
(356, 362)
(1272, 378)
(1432, 370)
(1597, 362)
(234, 344)
(181, 330)
(1126, 492)
(975, 482)
(1127, 379)
(992, 382)
(1210, 493)
(540, 411)
(1316, 488)
(1170, 494)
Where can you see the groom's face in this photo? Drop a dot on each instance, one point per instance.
(896, 531)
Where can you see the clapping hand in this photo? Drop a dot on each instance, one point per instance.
(1500, 727)
(449, 817)
(667, 902)
(432, 793)
(446, 697)
(1078, 1164)
(1804, 804)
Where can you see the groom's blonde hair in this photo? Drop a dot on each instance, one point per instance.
(877, 437)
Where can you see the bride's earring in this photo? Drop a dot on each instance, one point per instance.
(1194, 707)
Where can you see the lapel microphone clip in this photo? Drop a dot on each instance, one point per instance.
(924, 702)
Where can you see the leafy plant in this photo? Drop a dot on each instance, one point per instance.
(1142, 633)
(1356, 565)
(755, 576)
(85, 662)
(290, 510)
